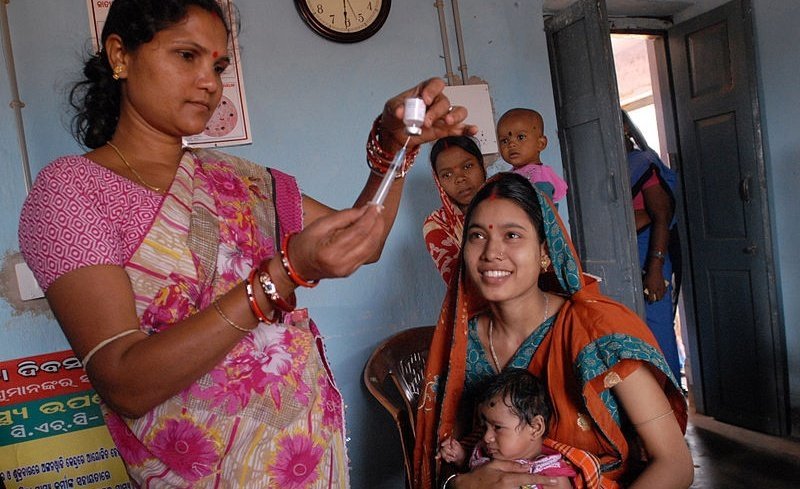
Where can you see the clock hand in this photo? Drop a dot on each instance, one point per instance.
(344, 8)
(351, 8)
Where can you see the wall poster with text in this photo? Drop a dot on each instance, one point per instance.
(52, 431)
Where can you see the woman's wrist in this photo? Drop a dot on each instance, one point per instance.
(450, 482)
(280, 277)
(289, 268)
(380, 157)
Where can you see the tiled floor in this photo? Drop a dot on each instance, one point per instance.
(727, 457)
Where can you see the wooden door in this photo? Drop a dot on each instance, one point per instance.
(740, 335)
(590, 133)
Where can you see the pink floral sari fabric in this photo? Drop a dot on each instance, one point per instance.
(269, 415)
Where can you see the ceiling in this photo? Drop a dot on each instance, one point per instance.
(632, 8)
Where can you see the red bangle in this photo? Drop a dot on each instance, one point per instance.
(379, 160)
(287, 265)
(271, 291)
(251, 298)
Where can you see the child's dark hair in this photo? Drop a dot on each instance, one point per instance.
(524, 394)
(96, 98)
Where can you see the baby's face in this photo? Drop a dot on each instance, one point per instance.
(521, 140)
(507, 437)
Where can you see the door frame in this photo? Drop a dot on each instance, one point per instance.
(689, 311)
(665, 96)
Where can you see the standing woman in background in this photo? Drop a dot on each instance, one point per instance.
(654, 214)
(172, 271)
(458, 171)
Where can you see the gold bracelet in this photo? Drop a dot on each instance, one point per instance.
(105, 342)
(228, 320)
(662, 415)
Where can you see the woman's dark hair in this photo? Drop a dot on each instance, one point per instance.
(96, 98)
(634, 139)
(466, 143)
(514, 187)
(523, 393)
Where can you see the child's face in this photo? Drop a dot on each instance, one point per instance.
(521, 139)
(460, 175)
(507, 437)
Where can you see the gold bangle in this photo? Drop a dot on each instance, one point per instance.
(228, 320)
(105, 342)
(662, 415)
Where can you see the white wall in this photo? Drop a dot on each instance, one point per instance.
(311, 103)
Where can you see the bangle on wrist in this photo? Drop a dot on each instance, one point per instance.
(287, 265)
(228, 320)
(251, 298)
(379, 160)
(447, 481)
(658, 254)
(271, 291)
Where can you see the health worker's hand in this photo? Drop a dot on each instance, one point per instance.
(441, 118)
(501, 474)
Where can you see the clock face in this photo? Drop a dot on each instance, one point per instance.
(344, 20)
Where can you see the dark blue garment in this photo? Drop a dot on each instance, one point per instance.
(660, 315)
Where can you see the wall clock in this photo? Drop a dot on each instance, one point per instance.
(344, 20)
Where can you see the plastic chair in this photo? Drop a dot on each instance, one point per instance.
(393, 375)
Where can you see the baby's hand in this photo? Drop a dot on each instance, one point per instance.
(450, 450)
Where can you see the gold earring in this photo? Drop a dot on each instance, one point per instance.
(545, 263)
(117, 71)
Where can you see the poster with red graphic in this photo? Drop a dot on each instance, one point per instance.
(52, 431)
(230, 123)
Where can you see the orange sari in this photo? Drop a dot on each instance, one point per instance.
(593, 344)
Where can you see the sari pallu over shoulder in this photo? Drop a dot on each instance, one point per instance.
(272, 400)
(598, 338)
(442, 231)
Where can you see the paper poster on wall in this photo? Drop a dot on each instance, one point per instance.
(230, 123)
(477, 101)
(52, 431)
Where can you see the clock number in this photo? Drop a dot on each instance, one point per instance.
(320, 9)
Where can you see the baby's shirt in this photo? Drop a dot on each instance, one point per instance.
(545, 180)
(549, 462)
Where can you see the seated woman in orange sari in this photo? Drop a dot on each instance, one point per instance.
(521, 300)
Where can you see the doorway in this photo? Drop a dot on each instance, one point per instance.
(641, 97)
(735, 336)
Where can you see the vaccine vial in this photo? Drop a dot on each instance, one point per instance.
(414, 115)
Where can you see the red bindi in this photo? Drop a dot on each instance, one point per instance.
(491, 226)
(215, 54)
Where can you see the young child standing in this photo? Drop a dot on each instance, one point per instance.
(520, 136)
(515, 411)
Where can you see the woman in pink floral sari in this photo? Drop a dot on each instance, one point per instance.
(172, 271)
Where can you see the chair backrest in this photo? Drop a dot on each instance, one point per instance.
(393, 375)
